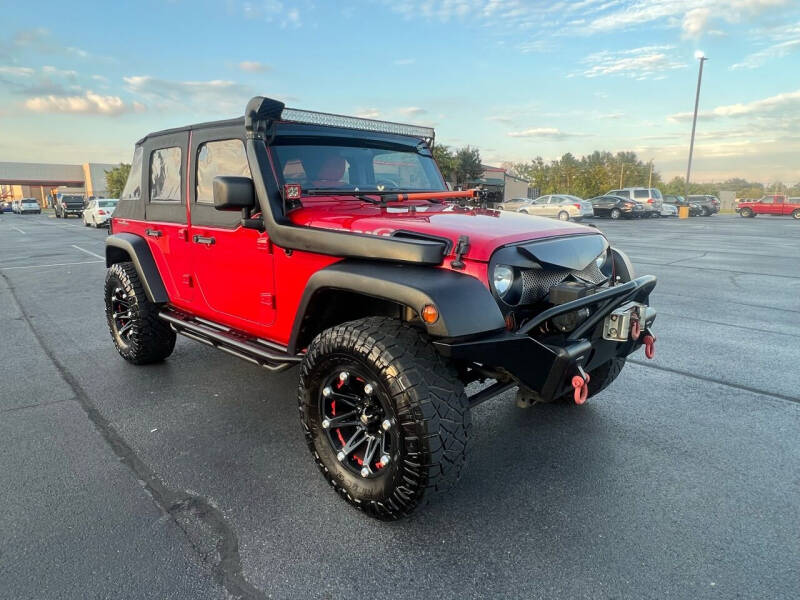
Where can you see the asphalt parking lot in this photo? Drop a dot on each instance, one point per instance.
(191, 478)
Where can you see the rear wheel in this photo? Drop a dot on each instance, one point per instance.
(563, 216)
(796, 213)
(384, 415)
(139, 335)
(746, 212)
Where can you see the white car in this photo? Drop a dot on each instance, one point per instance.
(99, 211)
(669, 210)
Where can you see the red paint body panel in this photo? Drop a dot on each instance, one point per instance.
(487, 229)
(244, 282)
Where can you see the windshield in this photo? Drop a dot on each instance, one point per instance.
(107, 203)
(356, 168)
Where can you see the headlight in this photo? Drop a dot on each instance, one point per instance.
(603, 263)
(502, 278)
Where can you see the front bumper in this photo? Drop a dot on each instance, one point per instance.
(548, 369)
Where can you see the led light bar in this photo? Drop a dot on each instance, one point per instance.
(331, 120)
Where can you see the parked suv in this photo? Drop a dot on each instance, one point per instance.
(67, 205)
(290, 237)
(28, 205)
(708, 204)
(650, 197)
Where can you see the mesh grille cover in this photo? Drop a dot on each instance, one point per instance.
(536, 283)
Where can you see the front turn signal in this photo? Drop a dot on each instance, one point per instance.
(430, 314)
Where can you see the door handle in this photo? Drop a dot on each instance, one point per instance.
(201, 239)
(153, 232)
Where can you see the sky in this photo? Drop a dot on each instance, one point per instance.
(82, 81)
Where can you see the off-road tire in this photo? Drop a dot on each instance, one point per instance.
(615, 213)
(796, 213)
(151, 339)
(430, 411)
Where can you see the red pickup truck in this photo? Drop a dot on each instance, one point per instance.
(770, 205)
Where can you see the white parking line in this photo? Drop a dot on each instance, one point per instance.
(87, 262)
(18, 229)
(87, 252)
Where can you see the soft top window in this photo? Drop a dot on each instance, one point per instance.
(165, 174)
(222, 157)
(133, 186)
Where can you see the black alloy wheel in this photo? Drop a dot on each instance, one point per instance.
(357, 418)
(121, 317)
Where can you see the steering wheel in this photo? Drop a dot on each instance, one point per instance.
(387, 183)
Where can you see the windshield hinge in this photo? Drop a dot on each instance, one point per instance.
(462, 247)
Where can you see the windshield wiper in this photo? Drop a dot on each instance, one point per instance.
(393, 195)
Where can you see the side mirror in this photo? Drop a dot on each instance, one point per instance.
(234, 193)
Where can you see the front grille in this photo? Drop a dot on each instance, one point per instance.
(536, 283)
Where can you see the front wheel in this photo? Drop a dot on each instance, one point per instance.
(746, 212)
(384, 415)
(139, 335)
(563, 216)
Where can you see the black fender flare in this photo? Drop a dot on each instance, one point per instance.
(466, 306)
(123, 247)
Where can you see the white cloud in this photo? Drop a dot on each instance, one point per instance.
(781, 40)
(368, 113)
(253, 66)
(786, 105)
(272, 11)
(89, 103)
(541, 132)
(412, 111)
(213, 96)
(694, 21)
(642, 63)
(17, 71)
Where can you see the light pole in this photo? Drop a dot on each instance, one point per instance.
(650, 178)
(702, 58)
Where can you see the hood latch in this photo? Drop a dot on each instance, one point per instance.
(462, 247)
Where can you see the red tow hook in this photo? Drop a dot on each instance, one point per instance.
(636, 329)
(580, 383)
(649, 345)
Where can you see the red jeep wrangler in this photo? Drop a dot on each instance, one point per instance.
(292, 237)
(770, 205)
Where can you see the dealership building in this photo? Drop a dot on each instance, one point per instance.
(42, 180)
